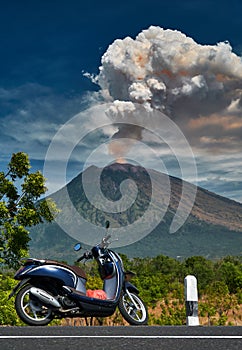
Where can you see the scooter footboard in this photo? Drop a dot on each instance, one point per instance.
(93, 310)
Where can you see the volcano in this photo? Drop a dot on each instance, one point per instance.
(213, 228)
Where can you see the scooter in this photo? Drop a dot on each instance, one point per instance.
(50, 289)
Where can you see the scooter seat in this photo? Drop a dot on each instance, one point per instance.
(76, 269)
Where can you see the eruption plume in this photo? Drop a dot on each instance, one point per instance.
(168, 71)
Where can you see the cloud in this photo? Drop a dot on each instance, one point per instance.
(168, 62)
(227, 123)
(221, 174)
(217, 134)
(166, 70)
(30, 116)
(198, 86)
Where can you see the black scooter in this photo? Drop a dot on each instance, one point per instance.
(49, 289)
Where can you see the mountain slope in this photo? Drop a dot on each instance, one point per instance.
(213, 228)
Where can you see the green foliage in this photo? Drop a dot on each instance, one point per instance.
(201, 268)
(19, 165)
(8, 315)
(19, 192)
(230, 271)
(170, 316)
(157, 277)
(160, 281)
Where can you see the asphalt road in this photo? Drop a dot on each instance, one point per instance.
(113, 338)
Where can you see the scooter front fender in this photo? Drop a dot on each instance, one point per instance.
(130, 287)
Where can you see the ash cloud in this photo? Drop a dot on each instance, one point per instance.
(196, 85)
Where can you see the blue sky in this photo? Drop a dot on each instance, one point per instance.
(46, 46)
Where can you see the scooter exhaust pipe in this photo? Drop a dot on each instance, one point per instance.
(45, 297)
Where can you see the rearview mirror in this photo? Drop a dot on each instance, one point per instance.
(77, 247)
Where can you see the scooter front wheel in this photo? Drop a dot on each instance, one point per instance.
(133, 309)
(30, 310)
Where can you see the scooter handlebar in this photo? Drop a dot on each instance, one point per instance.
(86, 255)
(104, 244)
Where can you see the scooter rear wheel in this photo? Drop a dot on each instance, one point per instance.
(133, 309)
(30, 310)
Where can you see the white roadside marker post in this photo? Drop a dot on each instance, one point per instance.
(191, 297)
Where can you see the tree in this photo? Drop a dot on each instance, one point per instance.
(229, 270)
(20, 207)
(202, 269)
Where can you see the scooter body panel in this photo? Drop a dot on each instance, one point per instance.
(67, 277)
